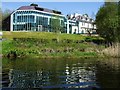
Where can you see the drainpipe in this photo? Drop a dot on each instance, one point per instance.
(78, 26)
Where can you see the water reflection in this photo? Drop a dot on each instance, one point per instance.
(79, 75)
(59, 74)
(28, 79)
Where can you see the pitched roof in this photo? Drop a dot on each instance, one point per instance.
(26, 8)
(39, 9)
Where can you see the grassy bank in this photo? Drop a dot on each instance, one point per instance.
(49, 45)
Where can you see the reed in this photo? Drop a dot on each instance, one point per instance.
(112, 51)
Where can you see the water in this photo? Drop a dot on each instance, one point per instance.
(61, 73)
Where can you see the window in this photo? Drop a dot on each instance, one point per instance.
(82, 31)
(83, 23)
(25, 18)
(62, 23)
(18, 18)
(14, 18)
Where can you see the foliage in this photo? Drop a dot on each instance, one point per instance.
(55, 24)
(107, 21)
(0, 19)
(6, 13)
(4, 19)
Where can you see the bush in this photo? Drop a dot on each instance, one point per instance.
(88, 39)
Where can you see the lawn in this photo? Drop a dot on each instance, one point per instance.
(42, 35)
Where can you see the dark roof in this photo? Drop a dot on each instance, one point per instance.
(39, 9)
(26, 8)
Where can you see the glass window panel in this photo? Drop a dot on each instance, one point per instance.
(14, 18)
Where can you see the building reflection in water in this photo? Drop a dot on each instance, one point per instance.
(28, 79)
(72, 76)
(80, 77)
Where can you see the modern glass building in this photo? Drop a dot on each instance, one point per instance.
(34, 18)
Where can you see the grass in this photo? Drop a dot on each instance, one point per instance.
(41, 35)
(45, 44)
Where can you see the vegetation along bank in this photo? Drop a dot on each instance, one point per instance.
(50, 45)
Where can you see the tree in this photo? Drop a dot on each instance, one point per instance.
(3, 16)
(107, 21)
(118, 21)
(0, 19)
(6, 20)
(55, 24)
(6, 13)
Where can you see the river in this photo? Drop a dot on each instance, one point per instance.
(61, 73)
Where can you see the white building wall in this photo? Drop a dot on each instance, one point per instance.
(80, 25)
(86, 25)
(68, 29)
(11, 22)
(95, 27)
(90, 25)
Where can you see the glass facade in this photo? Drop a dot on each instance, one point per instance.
(33, 21)
(43, 21)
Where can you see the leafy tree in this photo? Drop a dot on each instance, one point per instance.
(3, 16)
(55, 24)
(118, 30)
(0, 19)
(107, 21)
(6, 13)
(6, 20)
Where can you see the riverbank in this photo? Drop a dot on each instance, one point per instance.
(50, 45)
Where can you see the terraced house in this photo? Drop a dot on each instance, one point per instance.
(35, 18)
(82, 24)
